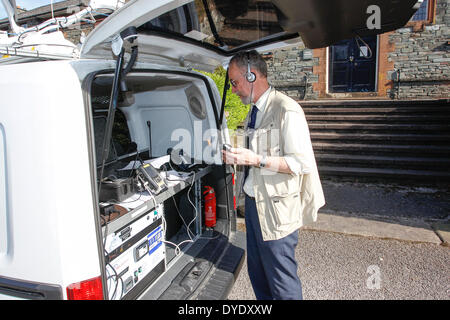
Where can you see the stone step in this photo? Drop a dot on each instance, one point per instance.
(391, 119)
(375, 149)
(381, 140)
(378, 127)
(380, 110)
(381, 173)
(375, 103)
(330, 159)
(435, 139)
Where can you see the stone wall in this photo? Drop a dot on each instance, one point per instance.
(422, 57)
(419, 53)
(75, 33)
(291, 71)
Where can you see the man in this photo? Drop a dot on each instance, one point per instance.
(282, 186)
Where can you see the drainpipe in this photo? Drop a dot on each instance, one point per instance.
(398, 83)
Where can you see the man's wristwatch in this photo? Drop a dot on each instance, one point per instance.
(262, 162)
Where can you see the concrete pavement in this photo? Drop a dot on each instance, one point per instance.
(412, 230)
(372, 242)
(403, 229)
(384, 211)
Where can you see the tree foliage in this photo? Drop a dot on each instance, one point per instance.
(235, 110)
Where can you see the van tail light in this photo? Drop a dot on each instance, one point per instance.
(91, 289)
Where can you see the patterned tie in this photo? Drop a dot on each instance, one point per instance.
(251, 125)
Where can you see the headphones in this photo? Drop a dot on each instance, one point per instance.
(179, 160)
(250, 76)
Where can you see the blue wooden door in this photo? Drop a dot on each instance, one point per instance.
(352, 66)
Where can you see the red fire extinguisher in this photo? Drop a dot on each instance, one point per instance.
(210, 207)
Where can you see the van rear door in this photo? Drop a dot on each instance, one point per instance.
(191, 33)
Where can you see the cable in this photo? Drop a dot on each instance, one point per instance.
(51, 7)
(177, 246)
(188, 231)
(196, 215)
(110, 277)
(359, 47)
(187, 226)
(176, 207)
(179, 214)
(145, 185)
(195, 208)
(114, 277)
(211, 238)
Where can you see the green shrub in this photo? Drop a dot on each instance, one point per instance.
(235, 110)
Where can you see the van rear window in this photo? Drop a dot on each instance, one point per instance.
(223, 24)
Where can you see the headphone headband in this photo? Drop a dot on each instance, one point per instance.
(250, 76)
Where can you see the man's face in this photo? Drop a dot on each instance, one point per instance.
(239, 83)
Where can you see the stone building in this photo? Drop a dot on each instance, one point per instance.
(410, 63)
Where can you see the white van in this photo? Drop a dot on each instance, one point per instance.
(108, 154)
(65, 235)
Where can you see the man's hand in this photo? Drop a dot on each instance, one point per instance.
(246, 157)
(241, 156)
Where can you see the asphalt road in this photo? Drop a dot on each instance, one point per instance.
(371, 260)
(336, 266)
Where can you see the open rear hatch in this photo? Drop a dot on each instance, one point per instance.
(205, 33)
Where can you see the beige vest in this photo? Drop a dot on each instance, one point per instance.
(285, 202)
